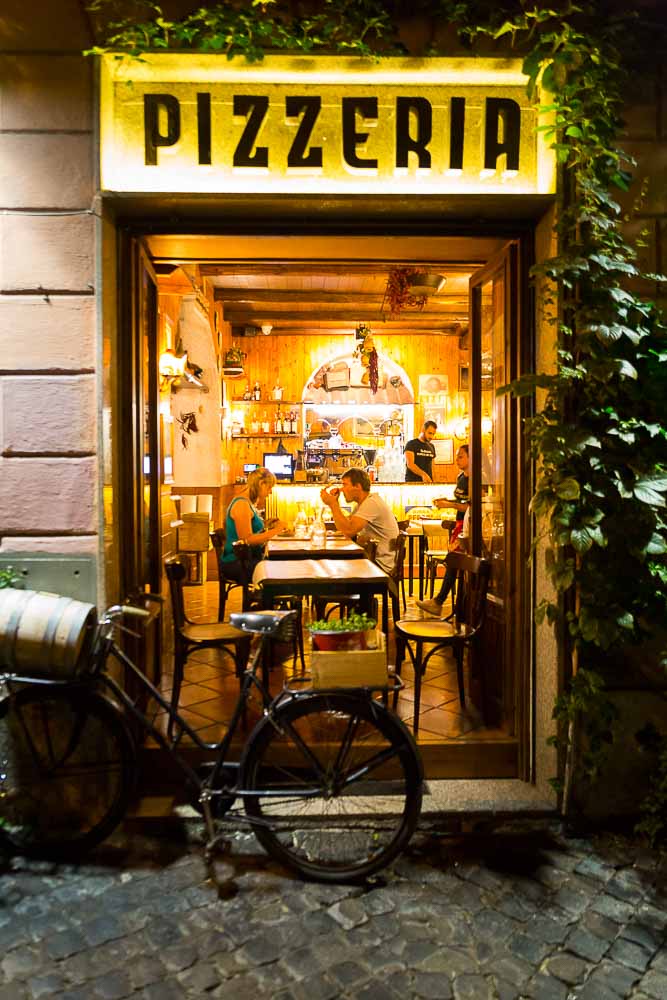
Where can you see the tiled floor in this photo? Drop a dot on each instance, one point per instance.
(210, 687)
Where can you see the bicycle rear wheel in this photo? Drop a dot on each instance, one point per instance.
(338, 786)
(66, 771)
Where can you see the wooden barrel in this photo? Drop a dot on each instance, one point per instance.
(44, 635)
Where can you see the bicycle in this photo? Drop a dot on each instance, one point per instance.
(330, 781)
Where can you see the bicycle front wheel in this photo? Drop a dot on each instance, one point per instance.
(336, 786)
(66, 767)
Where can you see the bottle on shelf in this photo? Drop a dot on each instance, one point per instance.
(254, 425)
(257, 391)
(277, 390)
(248, 392)
(278, 424)
(266, 425)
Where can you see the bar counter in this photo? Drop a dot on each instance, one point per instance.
(286, 497)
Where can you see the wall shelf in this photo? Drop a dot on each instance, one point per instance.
(240, 437)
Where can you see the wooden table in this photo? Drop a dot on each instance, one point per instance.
(323, 577)
(303, 548)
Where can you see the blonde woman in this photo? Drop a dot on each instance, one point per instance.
(244, 523)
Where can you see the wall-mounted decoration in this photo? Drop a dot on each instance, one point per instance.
(433, 385)
(444, 451)
(464, 378)
(437, 413)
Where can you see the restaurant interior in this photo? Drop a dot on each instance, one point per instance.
(263, 356)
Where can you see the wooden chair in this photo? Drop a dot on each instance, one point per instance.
(189, 635)
(396, 578)
(460, 635)
(436, 552)
(225, 585)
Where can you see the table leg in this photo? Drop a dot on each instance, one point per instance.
(422, 546)
(411, 554)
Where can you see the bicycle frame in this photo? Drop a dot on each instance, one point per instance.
(99, 676)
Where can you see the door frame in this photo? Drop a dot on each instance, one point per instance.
(517, 755)
(514, 262)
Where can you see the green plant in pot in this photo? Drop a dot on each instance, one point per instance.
(341, 633)
(8, 578)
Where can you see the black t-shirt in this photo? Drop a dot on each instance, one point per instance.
(424, 453)
(461, 493)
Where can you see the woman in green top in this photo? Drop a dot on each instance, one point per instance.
(244, 523)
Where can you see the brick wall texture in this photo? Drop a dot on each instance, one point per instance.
(48, 387)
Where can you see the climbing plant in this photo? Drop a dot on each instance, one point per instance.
(599, 436)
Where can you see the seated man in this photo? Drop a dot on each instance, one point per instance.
(371, 518)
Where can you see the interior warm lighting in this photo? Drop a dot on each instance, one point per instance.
(266, 329)
(487, 425)
(462, 428)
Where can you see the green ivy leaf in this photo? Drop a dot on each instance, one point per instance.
(650, 489)
(568, 489)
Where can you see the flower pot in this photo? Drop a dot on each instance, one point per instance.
(339, 640)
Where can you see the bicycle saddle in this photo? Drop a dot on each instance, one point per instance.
(260, 622)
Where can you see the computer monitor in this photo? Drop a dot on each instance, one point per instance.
(249, 467)
(279, 464)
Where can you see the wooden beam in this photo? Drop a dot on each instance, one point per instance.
(322, 297)
(414, 318)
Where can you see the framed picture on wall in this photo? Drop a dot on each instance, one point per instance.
(464, 378)
(444, 451)
(437, 413)
(433, 385)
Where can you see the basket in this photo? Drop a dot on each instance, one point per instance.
(44, 635)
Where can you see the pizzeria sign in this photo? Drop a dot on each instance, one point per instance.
(192, 123)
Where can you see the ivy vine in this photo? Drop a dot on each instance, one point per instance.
(599, 437)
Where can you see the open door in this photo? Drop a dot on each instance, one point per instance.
(138, 500)
(500, 525)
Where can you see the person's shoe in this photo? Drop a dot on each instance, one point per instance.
(431, 607)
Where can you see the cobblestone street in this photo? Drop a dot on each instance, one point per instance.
(530, 913)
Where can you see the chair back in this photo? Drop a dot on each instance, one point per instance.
(473, 576)
(395, 574)
(176, 570)
(436, 535)
(218, 538)
(370, 547)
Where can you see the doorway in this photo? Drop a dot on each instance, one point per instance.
(315, 290)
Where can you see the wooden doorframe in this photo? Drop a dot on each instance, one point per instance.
(139, 542)
(514, 261)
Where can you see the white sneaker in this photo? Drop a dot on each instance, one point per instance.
(431, 607)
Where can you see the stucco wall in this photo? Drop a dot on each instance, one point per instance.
(48, 387)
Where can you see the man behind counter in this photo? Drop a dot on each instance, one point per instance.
(419, 455)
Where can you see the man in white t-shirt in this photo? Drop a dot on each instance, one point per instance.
(370, 519)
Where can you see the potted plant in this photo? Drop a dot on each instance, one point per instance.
(341, 633)
(8, 578)
(232, 365)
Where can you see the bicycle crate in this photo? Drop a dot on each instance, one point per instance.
(44, 635)
(351, 668)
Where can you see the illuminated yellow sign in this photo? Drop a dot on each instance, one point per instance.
(321, 125)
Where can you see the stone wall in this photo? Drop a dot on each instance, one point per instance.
(48, 389)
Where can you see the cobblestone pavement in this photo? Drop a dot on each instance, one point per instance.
(520, 913)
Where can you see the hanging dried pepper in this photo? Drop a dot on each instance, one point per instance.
(373, 371)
